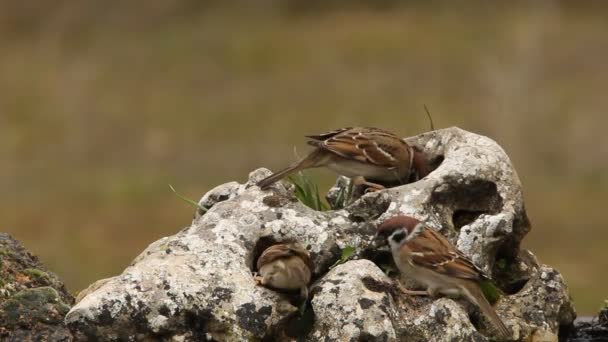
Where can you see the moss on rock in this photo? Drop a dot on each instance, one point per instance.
(34, 300)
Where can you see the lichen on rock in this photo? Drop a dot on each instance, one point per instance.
(197, 284)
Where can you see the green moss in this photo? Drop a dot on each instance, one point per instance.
(7, 252)
(29, 306)
(37, 275)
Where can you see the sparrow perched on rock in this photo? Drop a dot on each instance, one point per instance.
(431, 260)
(286, 267)
(370, 156)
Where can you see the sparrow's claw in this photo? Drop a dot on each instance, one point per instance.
(370, 187)
(259, 280)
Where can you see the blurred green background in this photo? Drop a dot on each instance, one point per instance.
(104, 103)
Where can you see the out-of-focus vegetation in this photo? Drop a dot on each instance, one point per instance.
(104, 103)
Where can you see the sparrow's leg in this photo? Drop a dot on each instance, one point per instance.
(452, 293)
(412, 292)
(304, 292)
(304, 298)
(360, 180)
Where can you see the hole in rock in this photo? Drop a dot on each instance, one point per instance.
(507, 274)
(461, 218)
(260, 246)
(292, 326)
(383, 258)
(473, 195)
(467, 199)
(424, 164)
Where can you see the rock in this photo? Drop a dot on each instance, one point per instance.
(441, 320)
(33, 301)
(589, 329)
(348, 307)
(197, 284)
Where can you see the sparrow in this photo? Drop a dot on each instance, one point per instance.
(285, 267)
(431, 260)
(370, 156)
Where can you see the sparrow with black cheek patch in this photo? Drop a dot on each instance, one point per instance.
(431, 260)
(285, 267)
(371, 156)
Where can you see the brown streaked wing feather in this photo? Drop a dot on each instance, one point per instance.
(327, 135)
(304, 255)
(360, 145)
(435, 252)
(273, 253)
(279, 251)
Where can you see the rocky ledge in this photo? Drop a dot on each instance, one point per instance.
(197, 285)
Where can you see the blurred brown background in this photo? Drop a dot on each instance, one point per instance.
(104, 103)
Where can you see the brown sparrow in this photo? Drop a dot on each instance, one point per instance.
(370, 156)
(286, 267)
(431, 260)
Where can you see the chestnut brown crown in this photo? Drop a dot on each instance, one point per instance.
(397, 222)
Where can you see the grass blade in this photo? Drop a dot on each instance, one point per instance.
(187, 200)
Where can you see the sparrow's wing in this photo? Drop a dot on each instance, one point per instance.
(434, 252)
(303, 254)
(368, 145)
(279, 251)
(327, 135)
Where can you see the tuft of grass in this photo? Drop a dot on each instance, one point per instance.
(187, 200)
(307, 191)
(347, 253)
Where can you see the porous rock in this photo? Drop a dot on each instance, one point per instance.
(197, 285)
(33, 301)
(349, 307)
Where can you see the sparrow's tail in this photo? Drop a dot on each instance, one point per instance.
(485, 307)
(307, 162)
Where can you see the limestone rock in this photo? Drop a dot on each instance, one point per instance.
(197, 285)
(348, 307)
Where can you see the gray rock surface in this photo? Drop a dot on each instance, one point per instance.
(348, 307)
(33, 301)
(197, 285)
(589, 329)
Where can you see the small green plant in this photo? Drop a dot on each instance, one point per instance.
(187, 200)
(347, 253)
(307, 191)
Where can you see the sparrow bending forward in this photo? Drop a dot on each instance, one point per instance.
(431, 260)
(371, 156)
(285, 267)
